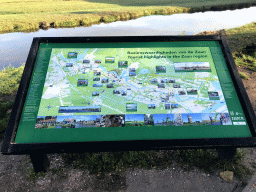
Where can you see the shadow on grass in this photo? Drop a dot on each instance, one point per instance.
(204, 159)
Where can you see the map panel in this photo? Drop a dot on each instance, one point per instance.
(109, 87)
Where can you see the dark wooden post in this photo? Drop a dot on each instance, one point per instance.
(226, 153)
(40, 162)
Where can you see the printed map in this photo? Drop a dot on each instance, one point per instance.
(125, 81)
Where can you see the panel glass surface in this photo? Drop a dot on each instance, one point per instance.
(131, 91)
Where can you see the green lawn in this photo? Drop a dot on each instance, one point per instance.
(19, 15)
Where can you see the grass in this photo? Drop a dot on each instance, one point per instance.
(28, 15)
(101, 163)
(243, 76)
(116, 162)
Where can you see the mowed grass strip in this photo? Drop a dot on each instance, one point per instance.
(28, 15)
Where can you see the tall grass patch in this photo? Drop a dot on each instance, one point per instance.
(10, 80)
(206, 160)
(9, 84)
(90, 19)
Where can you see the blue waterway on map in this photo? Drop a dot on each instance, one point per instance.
(123, 75)
(143, 71)
(216, 85)
(214, 107)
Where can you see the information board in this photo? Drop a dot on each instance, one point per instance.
(121, 91)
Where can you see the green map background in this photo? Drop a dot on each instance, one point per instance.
(28, 134)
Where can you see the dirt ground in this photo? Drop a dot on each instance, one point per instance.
(172, 178)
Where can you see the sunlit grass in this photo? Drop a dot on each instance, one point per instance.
(26, 15)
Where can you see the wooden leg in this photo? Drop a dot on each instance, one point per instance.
(227, 153)
(40, 162)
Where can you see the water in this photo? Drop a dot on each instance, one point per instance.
(14, 47)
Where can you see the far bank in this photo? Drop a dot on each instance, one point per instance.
(26, 16)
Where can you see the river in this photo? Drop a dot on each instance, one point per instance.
(14, 47)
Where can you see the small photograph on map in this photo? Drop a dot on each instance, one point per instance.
(97, 73)
(115, 120)
(65, 122)
(110, 85)
(163, 119)
(109, 59)
(132, 74)
(192, 67)
(178, 119)
(79, 109)
(94, 109)
(192, 91)
(116, 91)
(80, 121)
(43, 122)
(163, 80)
(132, 70)
(134, 120)
(167, 106)
(171, 81)
(209, 118)
(86, 61)
(97, 61)
(153, 81)
(123, 64)
(97, 85)
(149, 119)
(82, 82)
(72, 55)
(216, 119)
(182, 92)
(225, 119)
(213, 95)
(131, 107)
(84, 121)
(161, 69)
(151, 106)
(161, 85)
(96, 78)
(123, 92)
(69, 64)
(95, 93)
(192, 119)
(104, 80)
(173, 105)
(176, 85)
